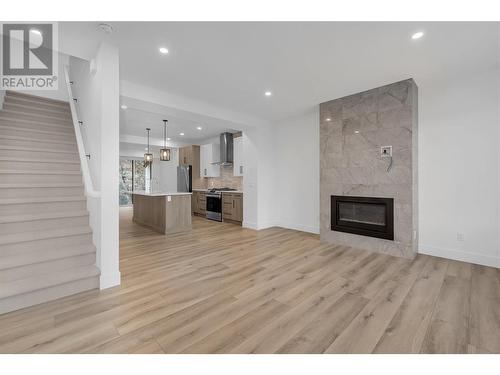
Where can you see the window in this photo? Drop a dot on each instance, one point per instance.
(133, 176)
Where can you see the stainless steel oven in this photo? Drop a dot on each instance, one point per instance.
(214, 203)
(214, 206)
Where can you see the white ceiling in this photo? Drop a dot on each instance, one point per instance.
(140, 115)
(231, 64)
(134, 122)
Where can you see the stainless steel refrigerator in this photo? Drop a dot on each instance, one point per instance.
(184, 179)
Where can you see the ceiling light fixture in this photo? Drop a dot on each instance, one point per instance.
(163, 50)
(168, 138)
(268, 93)
(199, 127)
(108, 29)
(165, 152)
(417, 35)
(328, 119)
(148, 157)
(123, 106)
(181, 133)
(356, 131)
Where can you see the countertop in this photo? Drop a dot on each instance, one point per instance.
(231, 191)
(159, 193)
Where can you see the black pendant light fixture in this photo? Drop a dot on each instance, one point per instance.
(148, 157)
(165, 152)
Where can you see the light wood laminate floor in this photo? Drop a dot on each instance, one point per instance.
(224, 289)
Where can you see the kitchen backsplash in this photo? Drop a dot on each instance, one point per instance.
(226, 179)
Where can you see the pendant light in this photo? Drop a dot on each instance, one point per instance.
(148, 157)
(165, 152)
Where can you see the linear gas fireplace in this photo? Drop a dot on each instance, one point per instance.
(366, 216)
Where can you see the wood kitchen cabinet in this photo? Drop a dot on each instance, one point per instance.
(199, 202)
(232, 207)
(194, 202)
(190, 155)
(185, 156)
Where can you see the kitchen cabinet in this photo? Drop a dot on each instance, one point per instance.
(199, 202)
(209, 154)
(186, 156)
(190, 155)
(194, 202)
(232, 207)
(238, 156)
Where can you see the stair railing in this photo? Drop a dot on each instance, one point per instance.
(87, 178)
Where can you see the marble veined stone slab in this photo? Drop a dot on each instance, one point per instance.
(352, 130)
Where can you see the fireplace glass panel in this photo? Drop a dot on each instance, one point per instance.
(366, 216)
(366, 213)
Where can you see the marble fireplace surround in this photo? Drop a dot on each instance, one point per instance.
(352, 130)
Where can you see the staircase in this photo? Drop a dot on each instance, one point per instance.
(46, 249)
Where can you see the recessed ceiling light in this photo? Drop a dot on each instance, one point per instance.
(268, 93)
(168, 139)
(181, 133)
(124, 106)
(328, 119)
(163, 50)
(199, 127)
(356, 131)
(417, 35)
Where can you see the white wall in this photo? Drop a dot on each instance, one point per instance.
(459, 168)
(61, 93)
(296, 143)
(87, 90)
(166, 171)
(107, 65)
(259, 178)
(98, 97)
(250, 196)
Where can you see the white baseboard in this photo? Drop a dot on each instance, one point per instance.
(270, 224)
(299, 227)
(109, 280)
(249, 225)
(255, 226)
(485, 260)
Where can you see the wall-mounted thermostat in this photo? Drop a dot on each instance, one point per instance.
(386, 151)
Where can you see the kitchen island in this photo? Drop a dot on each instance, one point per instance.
(164, 212)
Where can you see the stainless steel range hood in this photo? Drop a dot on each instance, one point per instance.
(226, 149)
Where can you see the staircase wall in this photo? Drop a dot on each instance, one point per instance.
(97, 87)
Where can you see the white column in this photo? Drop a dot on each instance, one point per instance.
(107, 64)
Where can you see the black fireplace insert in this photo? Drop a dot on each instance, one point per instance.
(366, 216)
